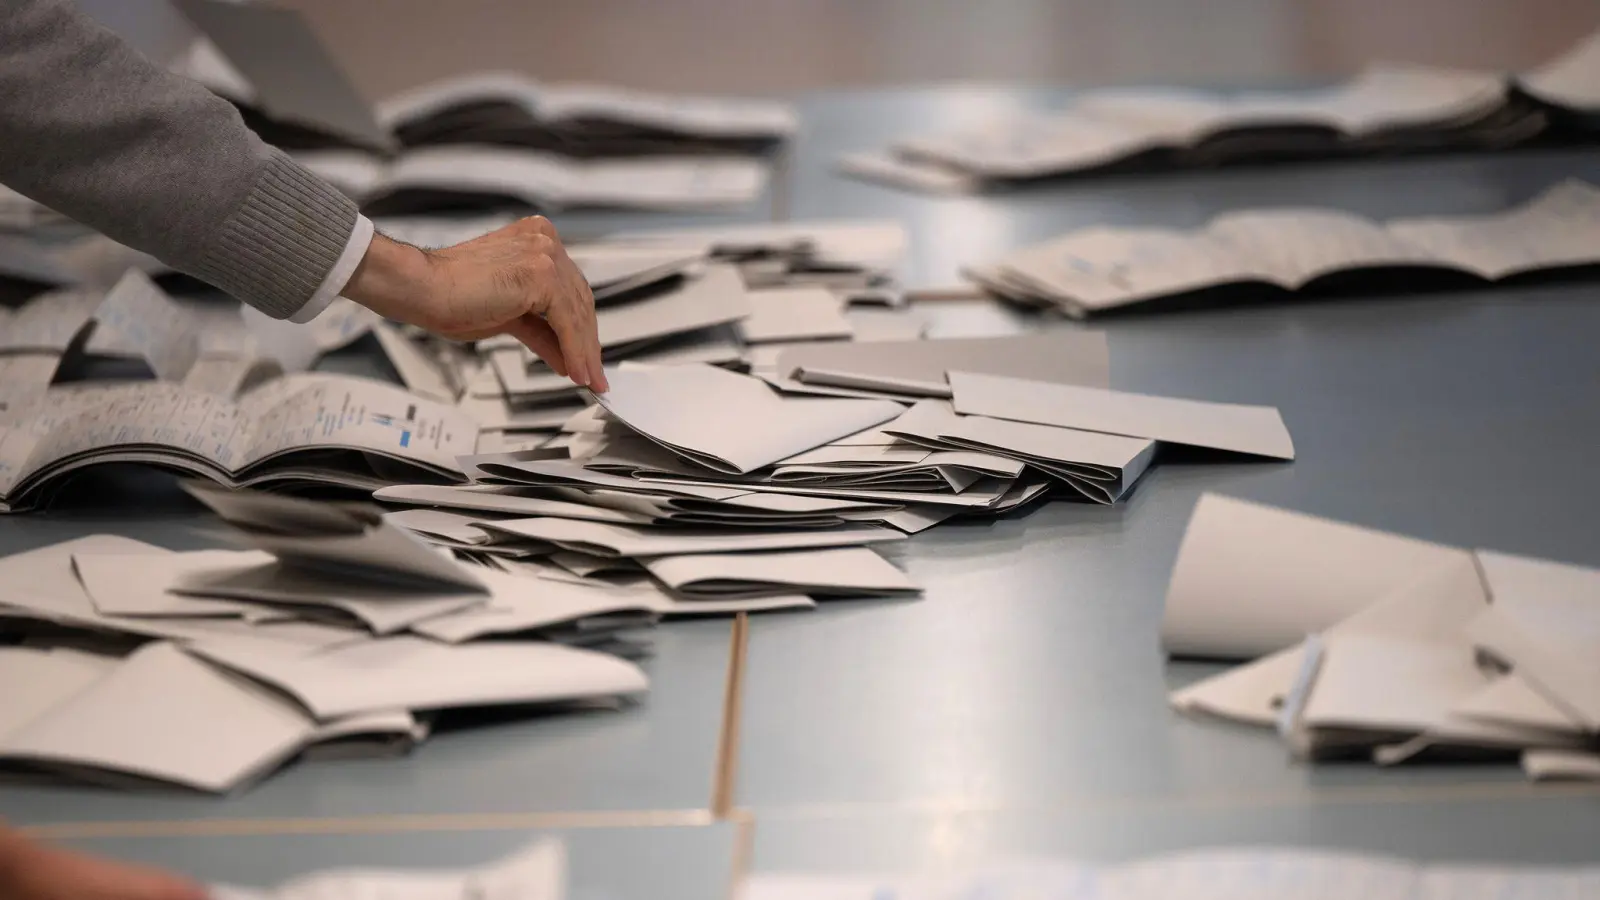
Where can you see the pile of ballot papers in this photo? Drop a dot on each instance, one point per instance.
(333, 632)
(734, 493)
(1371, 645)
(483, 139)
(1387, 109)
(1267, 254)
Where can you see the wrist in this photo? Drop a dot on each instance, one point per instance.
(394, 280)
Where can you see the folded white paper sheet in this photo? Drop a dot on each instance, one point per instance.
(167, 716)
(728, 422)
(1511, 700)
(605, 539)
(522, 603)
(1439, 597)
(421, 674)
(921, 367)
(1252, 430)
(842, 571)
(1251, 580)
(1545, 621)
(715, 297)
(137, 584)
(671, 604)
(38, 680)
(342, 540)
(795, 314)
(502, 499)
(384, 607)
(1561, 765)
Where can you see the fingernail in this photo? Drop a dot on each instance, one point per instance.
(580, 378)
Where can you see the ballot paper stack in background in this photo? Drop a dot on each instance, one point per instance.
(718, 486)
(333, 633)
(1274, 254)
(1388, 109)
(485, 139)
(1364, 644)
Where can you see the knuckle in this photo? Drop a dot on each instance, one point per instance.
(540, 225)
(543, 244)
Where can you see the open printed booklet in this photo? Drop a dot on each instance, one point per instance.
(1372, 644)
(1241, 255)
(305, 428)
(1386, 109)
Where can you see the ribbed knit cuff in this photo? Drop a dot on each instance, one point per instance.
(279, 245)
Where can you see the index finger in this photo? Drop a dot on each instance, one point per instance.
(585, 324)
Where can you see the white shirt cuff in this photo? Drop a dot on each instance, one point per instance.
(339, 275)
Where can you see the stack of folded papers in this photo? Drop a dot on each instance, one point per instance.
(1387, 109)
(484, 139)
(335, 632)
(725, 490)
(1251, 255)
(1371, 645)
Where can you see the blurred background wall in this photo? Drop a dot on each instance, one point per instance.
(787, 45)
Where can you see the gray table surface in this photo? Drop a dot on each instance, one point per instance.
(1019, 707)
(662, 863)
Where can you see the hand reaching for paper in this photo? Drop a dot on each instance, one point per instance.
(518, 280)
(31, 871)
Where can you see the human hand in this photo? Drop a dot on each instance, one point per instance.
(518, 280)
(32, 871)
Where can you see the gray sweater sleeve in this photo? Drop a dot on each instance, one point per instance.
(94, 130)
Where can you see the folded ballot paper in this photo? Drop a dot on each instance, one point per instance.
(340, 633)
(1372, 644)
(1241, 873)
(920, 368)
(1245, 255)
(728, 422)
